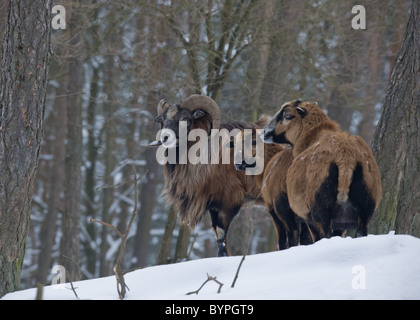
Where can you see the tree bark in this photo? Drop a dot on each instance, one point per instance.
(56, 183)
(182, 243)
(110, 163)
(158, 62)
(148, 201)
(396, 142)
(375, 61)
(25, 65)
(70, 242)
(90, 180)
(164, 255)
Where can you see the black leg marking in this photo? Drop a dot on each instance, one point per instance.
(219, 232)
(313, 230)
(305, 236)
(281, 232)
(325, 203)
(287, 217)
(360, 197)
(221, 225)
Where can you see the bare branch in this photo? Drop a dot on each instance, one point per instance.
(108, 225)
(245, 253)
(209, 278)
(74, 289)
(119, 274)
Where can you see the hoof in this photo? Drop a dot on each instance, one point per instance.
(222, 252)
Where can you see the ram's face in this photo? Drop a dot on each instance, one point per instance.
(287, 124)
(175, 120)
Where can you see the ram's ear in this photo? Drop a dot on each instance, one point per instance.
(302, 112)
(197, 114)
(158, 119)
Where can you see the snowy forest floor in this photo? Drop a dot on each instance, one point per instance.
(373, 267)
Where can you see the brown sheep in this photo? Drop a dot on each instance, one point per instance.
(277, 159)
(196, 188)
(333, 182)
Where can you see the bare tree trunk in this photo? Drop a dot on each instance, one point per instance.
(164, 255)
(182, 243)
(25, 65)
(110, 163)
(90, 181)
(157, 31)
(397, 34)
(254, 75)
(3, 19)
(49, 225)
(275, 74)
(375, 62)
(70, 243)
(148, 201)
(89, 245)
(396, 143)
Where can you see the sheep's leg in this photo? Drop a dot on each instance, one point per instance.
(325, 205)
(323, 225)
(287, 217)
(281, 231)
(313, 230)
(360, 195)
(221, 242)
(362, 228)
(221, 219)
(220, 232)
(305, 236)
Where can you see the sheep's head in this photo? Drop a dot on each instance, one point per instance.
(244, 140)
(196, 111)
(248, 151)
(288, 123)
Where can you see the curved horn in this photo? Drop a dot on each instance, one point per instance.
(206, 104)
(162, 107)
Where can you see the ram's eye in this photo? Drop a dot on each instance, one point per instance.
(288, 116)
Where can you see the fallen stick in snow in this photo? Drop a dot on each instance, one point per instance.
(251, 231)
(209, 278)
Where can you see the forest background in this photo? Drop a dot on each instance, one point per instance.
(114, 62)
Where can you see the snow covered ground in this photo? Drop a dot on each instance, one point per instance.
(373, 267)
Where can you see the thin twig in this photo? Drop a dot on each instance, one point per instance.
(74, 289)
(191, 246)
(245, 253)
(107, 225)
(119, 274)
(79, 273)
(209, 278)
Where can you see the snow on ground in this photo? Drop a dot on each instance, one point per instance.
(373, 267)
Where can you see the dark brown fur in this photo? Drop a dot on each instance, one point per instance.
(219, 188)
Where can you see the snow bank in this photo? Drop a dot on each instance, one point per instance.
(373, 267)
